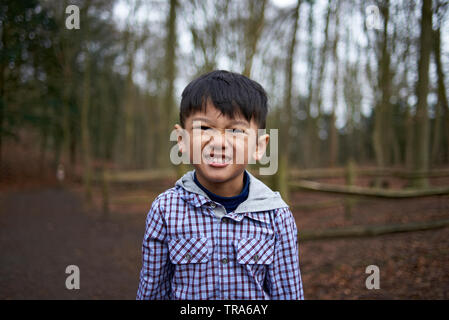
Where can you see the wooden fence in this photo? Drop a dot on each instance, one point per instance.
(349, 191)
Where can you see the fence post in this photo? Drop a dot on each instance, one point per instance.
(350, 180)
(105, 191)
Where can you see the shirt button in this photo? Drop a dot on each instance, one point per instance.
(224, 260)
(187, 256)
(255, 258)
(212, 205)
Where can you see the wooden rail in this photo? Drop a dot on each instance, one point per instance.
(139, 175)
(304, 185)
(367, 192)
(369, 231)
(373, 172)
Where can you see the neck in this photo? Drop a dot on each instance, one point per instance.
(229, 188)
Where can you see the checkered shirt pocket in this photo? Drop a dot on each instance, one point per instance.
(255, 251)
(184, 251)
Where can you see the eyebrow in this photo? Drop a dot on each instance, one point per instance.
(201, 119)
(245, 123)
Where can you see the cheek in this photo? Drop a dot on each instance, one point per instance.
(251, 144)
(197, 140)
(197, 144)
(242, 146)
(193, 142)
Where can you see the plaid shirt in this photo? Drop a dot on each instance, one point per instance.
(193, 250)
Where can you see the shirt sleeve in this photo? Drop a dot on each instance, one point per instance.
(284, 277)
(156, 272)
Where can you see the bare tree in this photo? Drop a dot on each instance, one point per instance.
(85, 138)
(442, 104)
(422, 88)
(170, 75)
(286, 117)
(312, 142)
(255, 25)
(381, 111)
(333, 130)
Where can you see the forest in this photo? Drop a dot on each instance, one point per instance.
(346, 81)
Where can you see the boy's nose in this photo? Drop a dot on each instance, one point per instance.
(220, 142)
(218, 138)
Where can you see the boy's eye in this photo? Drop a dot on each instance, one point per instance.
(202, 128)
(235, 130)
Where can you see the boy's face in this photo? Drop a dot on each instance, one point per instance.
(219, 147)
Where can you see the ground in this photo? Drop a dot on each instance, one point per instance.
(44, 231)
(46, 228)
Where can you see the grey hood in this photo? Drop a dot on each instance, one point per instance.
(260, 197)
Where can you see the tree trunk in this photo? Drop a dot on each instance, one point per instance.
(333, 139)
(421, 153)
(255, 27)
(313, 145)
(67, 92)
(409, 139)
(287, 111)
(442, 98)
(129, 101)
(408, 121)
(383, 107)
(2, 94)
(87, 175)
(170, 63)
(310, 66)
(170, 74)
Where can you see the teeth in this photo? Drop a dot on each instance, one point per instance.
(217, 159)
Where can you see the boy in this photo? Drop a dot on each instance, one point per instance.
(220, 233)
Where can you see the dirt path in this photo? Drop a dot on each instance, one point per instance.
(42, 232)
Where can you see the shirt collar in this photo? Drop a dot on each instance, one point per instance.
(199, 200)
(260, 197)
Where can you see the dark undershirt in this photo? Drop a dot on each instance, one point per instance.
(230, 203)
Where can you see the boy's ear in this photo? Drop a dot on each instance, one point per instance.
(180, 133)
(261, 146)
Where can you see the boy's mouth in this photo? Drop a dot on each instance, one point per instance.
(215, 160)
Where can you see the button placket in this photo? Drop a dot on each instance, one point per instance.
(223, 253)
(217, 254)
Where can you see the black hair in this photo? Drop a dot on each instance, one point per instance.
(229, 92)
